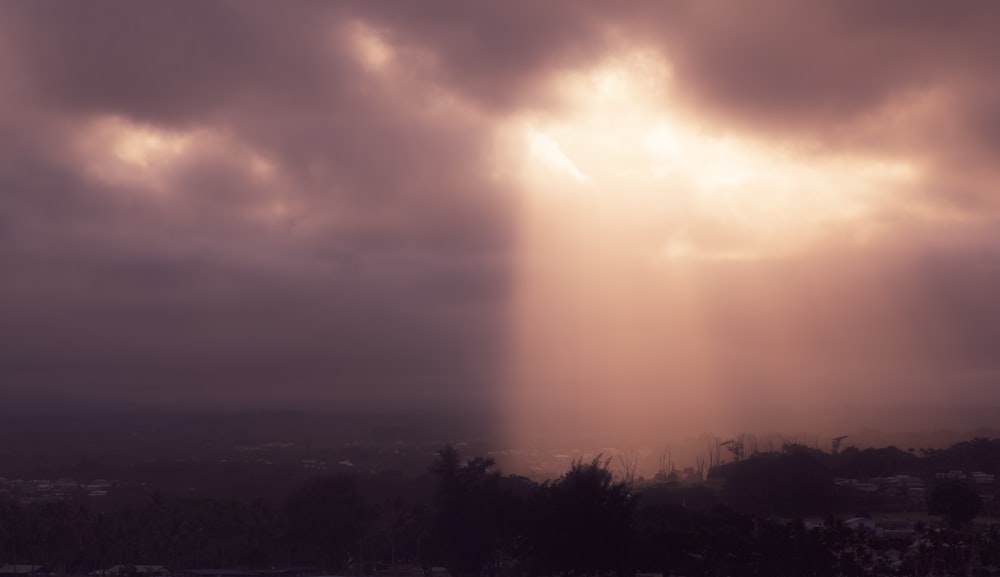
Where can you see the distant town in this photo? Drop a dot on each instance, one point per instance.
(233, 499)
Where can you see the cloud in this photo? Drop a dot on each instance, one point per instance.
(213, 197)
(231, 200)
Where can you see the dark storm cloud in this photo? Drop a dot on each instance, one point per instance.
(799, 66)
(383, 279)
(178, 63)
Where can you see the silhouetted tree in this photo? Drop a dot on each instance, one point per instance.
(793, 484)
(583, 522)
(628, 464)
(956, 501)
(882, 462)
(328, 517)
(469, 513)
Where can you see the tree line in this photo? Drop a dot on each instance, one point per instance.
(477, 521)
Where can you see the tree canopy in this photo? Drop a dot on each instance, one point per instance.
(583, 521)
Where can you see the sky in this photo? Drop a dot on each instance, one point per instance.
(586, 213)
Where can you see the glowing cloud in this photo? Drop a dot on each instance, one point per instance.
(120, 150)
(629, 205)
(629, 150)
(117, 150)
(370, 48)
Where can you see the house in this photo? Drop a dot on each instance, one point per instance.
(952, 474)
(983, 478)
(916, 495)
(860, 523)
(906, 481)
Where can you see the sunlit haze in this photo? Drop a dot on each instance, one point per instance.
(637, 218)
(626, 222)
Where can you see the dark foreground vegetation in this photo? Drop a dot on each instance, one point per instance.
(795, 511)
